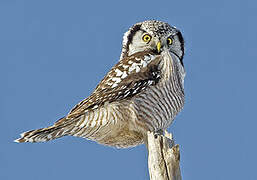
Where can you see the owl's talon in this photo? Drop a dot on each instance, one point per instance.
(158, 133)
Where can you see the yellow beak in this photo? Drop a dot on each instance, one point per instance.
(158, 46)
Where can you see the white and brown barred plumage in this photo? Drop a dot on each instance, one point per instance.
(143, 92)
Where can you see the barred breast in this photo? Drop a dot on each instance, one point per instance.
(158, 106)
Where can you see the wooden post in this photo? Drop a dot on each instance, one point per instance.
(163, 157)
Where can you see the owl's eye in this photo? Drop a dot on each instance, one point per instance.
(169, 41)
(147, 38)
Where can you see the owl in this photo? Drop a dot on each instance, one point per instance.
(143, 92)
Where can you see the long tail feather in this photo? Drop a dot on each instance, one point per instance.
(59, 129)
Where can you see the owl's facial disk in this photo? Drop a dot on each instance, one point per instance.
(154, 36)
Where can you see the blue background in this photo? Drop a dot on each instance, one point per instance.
(53, 54)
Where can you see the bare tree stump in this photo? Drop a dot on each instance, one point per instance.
(163, 157)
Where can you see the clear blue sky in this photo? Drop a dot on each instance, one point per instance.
(53, 54)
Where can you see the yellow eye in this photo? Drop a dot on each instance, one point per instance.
(147, 38)
(169, 41)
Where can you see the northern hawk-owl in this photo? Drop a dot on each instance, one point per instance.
(143, 92)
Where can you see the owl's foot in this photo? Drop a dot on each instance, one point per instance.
(158, 133)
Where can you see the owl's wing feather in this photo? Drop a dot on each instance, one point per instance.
(126, 79)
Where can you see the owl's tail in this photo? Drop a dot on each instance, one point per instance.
(61, 128)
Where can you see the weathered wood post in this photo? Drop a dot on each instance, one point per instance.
(163, 157)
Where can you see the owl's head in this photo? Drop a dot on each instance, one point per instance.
(153, 36)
